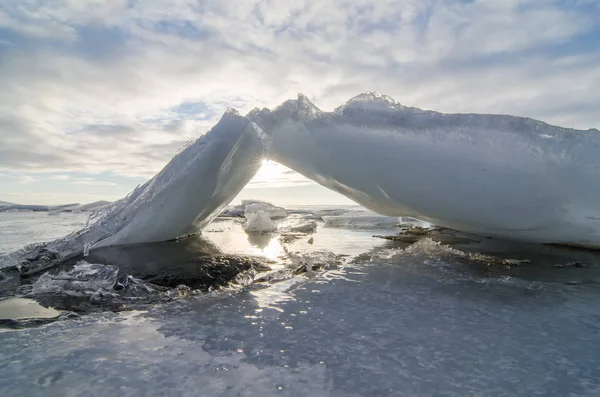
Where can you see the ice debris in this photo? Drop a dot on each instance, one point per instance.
(259, 222)
(317, 260)
(84, 279)
(252, 206)
(307, 228)
(361, 221)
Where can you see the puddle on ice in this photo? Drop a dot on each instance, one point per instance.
(22, 308)
(230, 237)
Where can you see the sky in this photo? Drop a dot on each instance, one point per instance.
(96, 96)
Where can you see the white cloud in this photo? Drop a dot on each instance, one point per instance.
(92, 182)
(93, 85)
(60, 177)
(24, 179)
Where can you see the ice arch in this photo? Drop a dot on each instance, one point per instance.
(493, 175)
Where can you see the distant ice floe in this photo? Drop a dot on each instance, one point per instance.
(362, 221)
(73, 208)
(306, 227)
(498, 176)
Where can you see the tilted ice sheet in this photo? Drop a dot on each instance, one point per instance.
(494, 175)
(181, 199)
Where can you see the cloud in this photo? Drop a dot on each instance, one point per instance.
(60, 177)
(92, 182)
(119, 86)
(26, 179)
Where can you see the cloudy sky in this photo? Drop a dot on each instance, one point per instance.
(97, 95)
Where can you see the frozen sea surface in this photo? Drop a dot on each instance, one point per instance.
(427, 320)
(20, 228)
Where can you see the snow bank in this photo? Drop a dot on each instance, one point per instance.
(259, 222)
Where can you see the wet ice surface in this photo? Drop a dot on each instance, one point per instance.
(429, 320)
(19, 308)
(378, 330)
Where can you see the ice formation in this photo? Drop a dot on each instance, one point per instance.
(271, 210)
(251, 206)
(362, 221)
(259, 222)
(181, 199)
(499, 176)
(83, 279)
(307, 227)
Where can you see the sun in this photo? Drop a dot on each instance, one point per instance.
(269, 171)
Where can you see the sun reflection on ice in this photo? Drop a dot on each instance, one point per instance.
(267, 245)
(235, 240)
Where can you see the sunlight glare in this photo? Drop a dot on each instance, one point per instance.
(270, 171)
